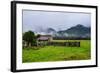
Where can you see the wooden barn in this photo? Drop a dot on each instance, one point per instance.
(44, 39)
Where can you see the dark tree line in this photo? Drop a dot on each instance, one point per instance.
(71, 38)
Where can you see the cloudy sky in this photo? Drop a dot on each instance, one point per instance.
(38, 20)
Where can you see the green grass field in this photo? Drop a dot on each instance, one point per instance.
(57, 53)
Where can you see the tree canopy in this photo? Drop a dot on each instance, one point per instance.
(29, 37)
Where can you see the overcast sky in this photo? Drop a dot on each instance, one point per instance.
(39, 20)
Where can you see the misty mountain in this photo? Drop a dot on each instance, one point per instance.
(75, 31)
(50, 30)
(78, 31)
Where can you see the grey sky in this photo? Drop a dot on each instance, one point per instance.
(39, 20)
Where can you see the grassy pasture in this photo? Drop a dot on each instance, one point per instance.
(57, 53)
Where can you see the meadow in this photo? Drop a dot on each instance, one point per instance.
(57, 53)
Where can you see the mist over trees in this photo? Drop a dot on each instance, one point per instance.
(77, 31)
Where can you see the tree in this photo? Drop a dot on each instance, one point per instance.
(37, 38)
(29, 38)
(38, 35)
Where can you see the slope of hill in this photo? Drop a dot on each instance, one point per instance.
(78, 30)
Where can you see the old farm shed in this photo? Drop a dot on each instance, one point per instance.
(44, 40)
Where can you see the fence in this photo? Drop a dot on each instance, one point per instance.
(68, 44)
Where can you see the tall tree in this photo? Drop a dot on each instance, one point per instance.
(29, 37)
